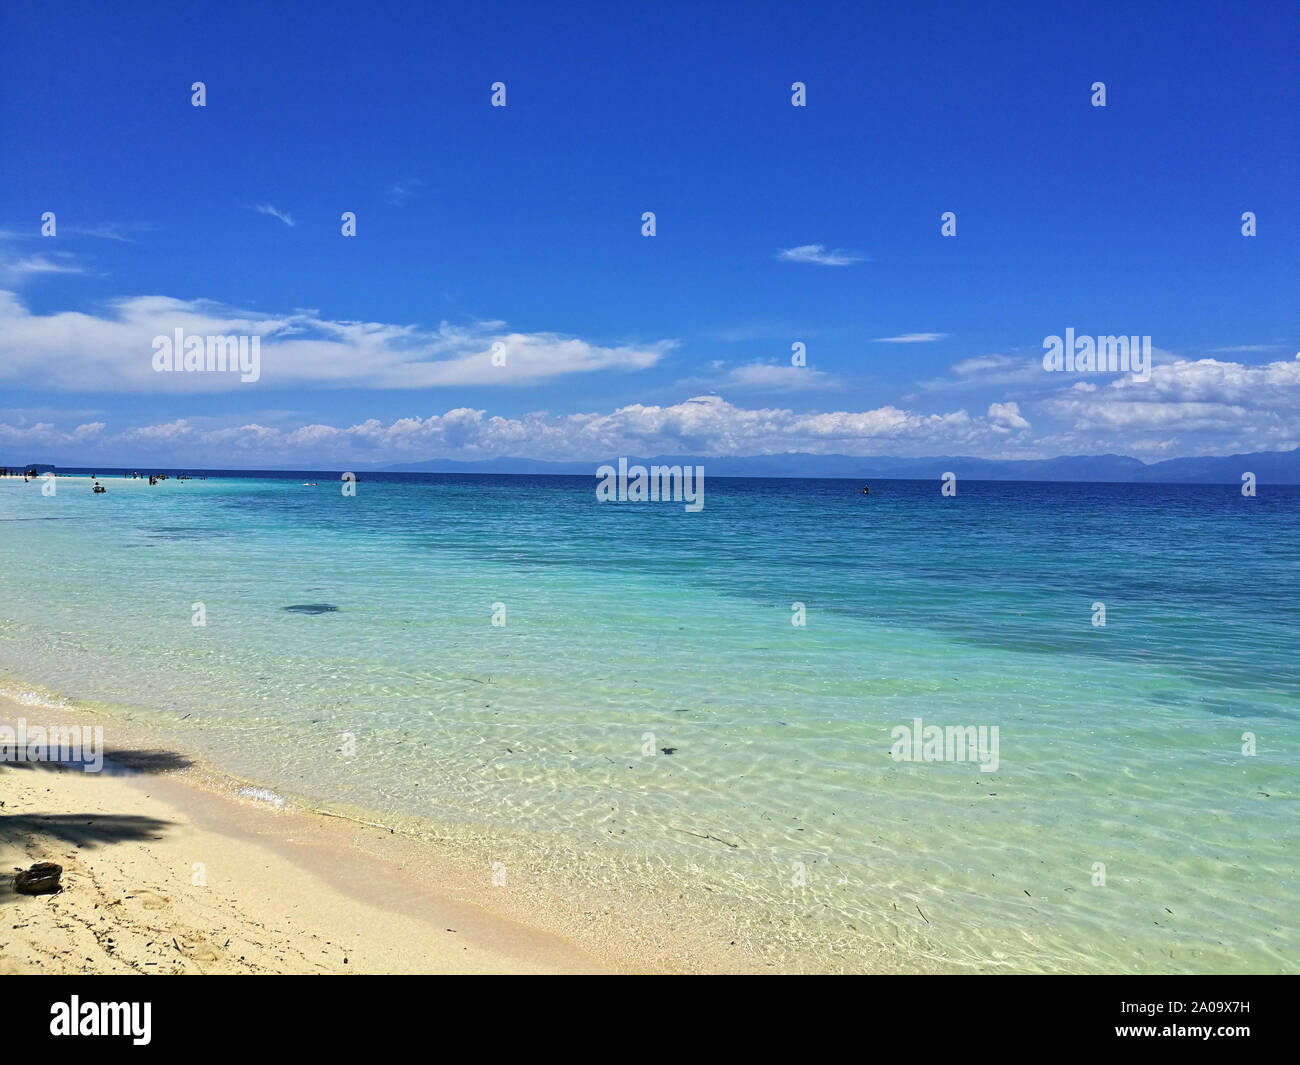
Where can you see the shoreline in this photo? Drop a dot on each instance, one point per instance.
(171, 865)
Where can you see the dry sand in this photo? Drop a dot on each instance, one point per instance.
(277, 890)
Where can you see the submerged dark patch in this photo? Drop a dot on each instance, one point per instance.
(312, 608)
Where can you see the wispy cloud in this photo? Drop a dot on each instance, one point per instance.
(750, 331)
(108, 230)
(984, 365)
(266, 208)
(991, 371)
(59, 263)
(403, 190)
(912, 338)
(817, 253)
(103, 231)
(766, 377)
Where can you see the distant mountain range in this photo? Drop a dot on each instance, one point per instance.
(1275, 467)
(1269, 467)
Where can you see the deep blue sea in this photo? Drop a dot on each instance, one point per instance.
(617, 699)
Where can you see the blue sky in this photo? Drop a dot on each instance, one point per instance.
(521, 225)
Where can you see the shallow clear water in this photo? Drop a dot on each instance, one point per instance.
(638, 626)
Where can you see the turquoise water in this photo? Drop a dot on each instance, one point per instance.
(780, 818)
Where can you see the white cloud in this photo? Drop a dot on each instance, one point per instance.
(1207, 406)
(1006, 416)
(1022, 374)
(1107, 419)
(114, 351)
(168, 432)
(1215, 380)
(35, 433)
(816, 253)
(703, 425)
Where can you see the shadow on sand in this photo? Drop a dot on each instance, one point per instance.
(117, 762)
(88, 830)
(81, 830)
